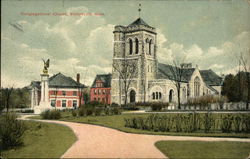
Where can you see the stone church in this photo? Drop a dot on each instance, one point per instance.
(153, 81)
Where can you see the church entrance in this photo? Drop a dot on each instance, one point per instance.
(132, 96)
(171, 93)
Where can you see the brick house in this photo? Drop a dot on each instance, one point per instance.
(63, 92)
(101, 88)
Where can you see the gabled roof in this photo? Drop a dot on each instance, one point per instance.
(211, 78)
(138, 21)
(208, 76)
(61, 81)
(105, 78)
(167, 72)
(35, 84)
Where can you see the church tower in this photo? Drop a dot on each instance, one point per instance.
(135, 43)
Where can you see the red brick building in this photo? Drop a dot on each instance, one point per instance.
(101, 89)
(63, 92)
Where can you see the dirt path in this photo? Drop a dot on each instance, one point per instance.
(101, 142)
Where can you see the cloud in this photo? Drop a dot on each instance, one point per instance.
(74, 44)
(222, 58)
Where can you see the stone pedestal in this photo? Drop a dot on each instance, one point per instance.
(44, 103)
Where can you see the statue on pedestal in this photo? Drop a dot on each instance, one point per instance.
(46, 66)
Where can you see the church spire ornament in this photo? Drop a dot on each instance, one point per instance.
(139, 10)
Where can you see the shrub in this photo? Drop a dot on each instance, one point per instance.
(226, 125)
(51, 114)
(89, 111)
(11, 131)
(106, 111)
(45, 114)
(208, 122)
(82, 111)
(74, 113)
(98, 111)
(115, 111)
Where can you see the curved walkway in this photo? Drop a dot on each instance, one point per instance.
(101, 142)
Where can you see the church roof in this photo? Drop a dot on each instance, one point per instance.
(139, 21)
(61, 81)
(167, 71)
(105, 78)
(208, 76)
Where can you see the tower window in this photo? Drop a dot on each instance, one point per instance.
(149, 46)
(136, 46)
(130, 46)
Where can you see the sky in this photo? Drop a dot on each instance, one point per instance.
(208, 33)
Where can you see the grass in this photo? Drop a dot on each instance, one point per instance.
(117, 122)
(44, 140)
(204, 150)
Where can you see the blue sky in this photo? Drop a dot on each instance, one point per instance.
(210, 34)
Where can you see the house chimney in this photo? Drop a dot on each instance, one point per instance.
(78, 77)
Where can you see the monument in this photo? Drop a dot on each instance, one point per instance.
(44, 102)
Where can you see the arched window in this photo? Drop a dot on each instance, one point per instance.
(149, 46)
(184, 93)
(136, 46)
(153, 95)
(196, 87)
(159, 95)
(171, 94)
(132, 96)
(130, 46)
(156, 95)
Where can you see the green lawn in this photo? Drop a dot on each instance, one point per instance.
(43, 140)
(117, 122)
(202, 149)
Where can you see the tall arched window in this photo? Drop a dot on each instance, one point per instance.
(171, 95)
(149, 46)
(184, 93)
(156, 95)
(153, 95)
(159, 95)
(136, 46)
(130, 46)
(196, 87)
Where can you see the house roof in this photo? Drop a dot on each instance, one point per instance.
(208, 76)
(61, 81)
(139, 21)
(105, 78)
(35, 84)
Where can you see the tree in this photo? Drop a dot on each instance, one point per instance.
(176, 77)
(246, 68)
(126, 69)
(7, 93)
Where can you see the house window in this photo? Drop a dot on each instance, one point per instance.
(74, 103)
(94, 99)
(99, 91)
(64, 93)
(53, 103)
(63, 103)
(74, 93)
(103, 99)
(95, 91)
(103, 91)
